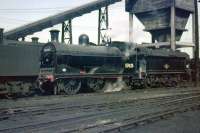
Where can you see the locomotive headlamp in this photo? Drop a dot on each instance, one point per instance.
(64, 70)
(166, 66)
(47, 60)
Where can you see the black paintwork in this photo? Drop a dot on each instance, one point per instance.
(19, 58)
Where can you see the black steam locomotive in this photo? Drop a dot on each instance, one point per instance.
(59, 68)
(65, 68)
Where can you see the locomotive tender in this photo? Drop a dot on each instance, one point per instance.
(19, 67)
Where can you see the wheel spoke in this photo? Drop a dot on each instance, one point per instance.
(95, 84)
(70, 87)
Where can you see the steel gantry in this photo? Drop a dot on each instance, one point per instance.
(48, 22)
(103, 26)
(66, 36)
(196, 41)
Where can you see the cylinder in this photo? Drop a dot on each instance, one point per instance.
(54, 35)
(35, 39)
(84, 39)
(1, 35)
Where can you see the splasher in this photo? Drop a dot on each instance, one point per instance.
(92, 71)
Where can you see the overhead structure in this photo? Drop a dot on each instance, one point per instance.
(103, 26)
(165, 20)
(66, 36)
(196, 40)
(57, 19)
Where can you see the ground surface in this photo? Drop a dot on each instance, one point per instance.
(188, 122)
(82, 99)
(65, 113)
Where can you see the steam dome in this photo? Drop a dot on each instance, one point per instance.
(84, 39)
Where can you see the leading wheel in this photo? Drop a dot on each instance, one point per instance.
(69, 86)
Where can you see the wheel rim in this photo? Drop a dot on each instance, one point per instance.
(96, 84)
(70, 87)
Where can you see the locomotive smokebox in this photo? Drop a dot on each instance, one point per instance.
(54, 35)
(1, 35)
(35, 39)
(84, 39)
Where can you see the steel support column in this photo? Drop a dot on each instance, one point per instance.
(66, 36)
(131, 27)
(173, 26)
(196, 31)
(103, 26)
(193, 33)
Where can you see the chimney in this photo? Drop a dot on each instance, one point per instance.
(54, 35)
(1, 35)
(35, 39)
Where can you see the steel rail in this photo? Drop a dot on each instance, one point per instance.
(136, 120)
(150, 118)
(51, 108)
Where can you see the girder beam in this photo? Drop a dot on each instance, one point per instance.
(57, 19)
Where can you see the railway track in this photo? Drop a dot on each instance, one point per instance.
(95, 117)
(27, 105)
(6, 113)
(148, 118)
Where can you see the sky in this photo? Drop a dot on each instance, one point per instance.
(15, 13)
